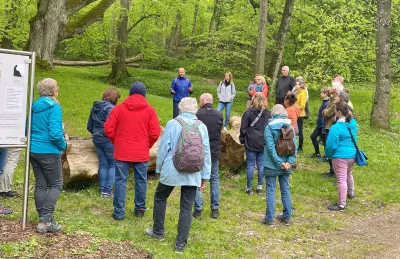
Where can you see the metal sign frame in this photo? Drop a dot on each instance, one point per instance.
(32, 56)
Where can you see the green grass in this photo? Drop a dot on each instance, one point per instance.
(237, 233)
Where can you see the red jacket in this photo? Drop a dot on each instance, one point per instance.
(264, 90)
(133, 128)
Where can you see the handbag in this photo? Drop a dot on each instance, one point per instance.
(361, 157)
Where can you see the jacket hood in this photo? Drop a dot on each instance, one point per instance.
(135, 102)
(278, 122)
(352, 125)
(43, 103)
(100, 105)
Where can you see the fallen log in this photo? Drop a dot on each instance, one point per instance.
(94, 63)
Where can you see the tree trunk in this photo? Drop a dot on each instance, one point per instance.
(195, 15)
(261, 40)
(119, 66)
(216, 17)
(380, 109)
(175, 33)
(280, 42)
(45, 26)
(94, 63)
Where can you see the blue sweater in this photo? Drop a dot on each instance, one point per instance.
(46, 133)
(98, 116)
(272, 161)
(339, 143)
(321, 118)
(181, 87)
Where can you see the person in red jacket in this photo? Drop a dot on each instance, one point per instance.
(133, 128)
(260, 85)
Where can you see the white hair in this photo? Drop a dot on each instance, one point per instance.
(286, 68)
(47, 87)
(278, 109)
(206, 97)
(188, 104)
(338, 86)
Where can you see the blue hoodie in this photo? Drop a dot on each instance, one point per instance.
(181, 87)
(339, 143)
(46, 133)
(272, 161)
(98, 116)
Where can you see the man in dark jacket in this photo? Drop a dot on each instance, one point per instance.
(180, 87)
(285, 84)
(213, 119)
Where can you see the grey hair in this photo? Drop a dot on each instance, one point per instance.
(340, 78)
(302, 84)
(278, 109)
(207, 98)
(285, 67)
(47, 87)
(188, 104)
(343, 96)
(337, 86)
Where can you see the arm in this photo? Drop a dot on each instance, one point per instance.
(206, 171)
(219, 91)
(244, 127)
(252, 91)
(190, 88)
(110, 126)
(89, 126)
(330, 110)
(249, 88)
(332, 142)
(154, 128)
(164, 147)
(270, 143)
(173, 87)
(233, 91)
(55, 128)
(302, 101)
(265, 90)
(292, 158)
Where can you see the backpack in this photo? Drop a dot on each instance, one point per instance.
(284, 144)
(189, 154)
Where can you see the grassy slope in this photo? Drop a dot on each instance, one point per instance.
(237, 233)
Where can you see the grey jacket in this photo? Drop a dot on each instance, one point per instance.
(226, 93)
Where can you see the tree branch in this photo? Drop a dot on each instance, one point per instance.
(73, 6)
(141, 19)
(95, 63)
(77, 25)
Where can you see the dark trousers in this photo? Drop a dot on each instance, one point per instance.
(301, 135)
(188, 194)
(48, 183)
(175, 110)
(329, 160)
(314, 138)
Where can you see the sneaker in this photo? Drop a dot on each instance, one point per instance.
(351, 196)
(336, 207)
(315, 156)
(249, 191)
(139, 213)
(115, 218)
(285, 221)
(225, 129)
(150, 233)
(4, 211)
(259, 191)
(197, 214)
(107, 195)
(214, 214)
(268, 223)
(48, 227)
(9, 194)
(179, 249)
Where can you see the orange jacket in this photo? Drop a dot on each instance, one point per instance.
(264, 90)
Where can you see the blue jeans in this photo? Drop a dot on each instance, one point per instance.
(105, 152)
(228, 108)
(285, 194)
(214, 189)
(3, 159)
(252, 158)
(121, 177)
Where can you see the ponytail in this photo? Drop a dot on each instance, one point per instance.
(349, 116)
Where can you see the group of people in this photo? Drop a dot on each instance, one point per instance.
(123, 134)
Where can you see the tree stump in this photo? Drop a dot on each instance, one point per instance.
(232, 152)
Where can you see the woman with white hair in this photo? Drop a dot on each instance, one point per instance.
(171, 177)
(47, 144)
(277, 166)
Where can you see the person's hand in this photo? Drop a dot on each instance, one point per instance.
(172, 91)
(190, 89)
(203, 184)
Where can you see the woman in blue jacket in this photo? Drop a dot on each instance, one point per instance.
(47, 144)
(277, 166)
(340, 148)
(104, 147)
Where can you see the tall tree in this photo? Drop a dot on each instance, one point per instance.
(176, 33)
(261, 40)
(12, 19)
(380, 109)
(195, 14)
(57, 20)
(216, 17)
(118, 69)
(280, 41)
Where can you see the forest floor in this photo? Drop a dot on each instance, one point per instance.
(380, 230)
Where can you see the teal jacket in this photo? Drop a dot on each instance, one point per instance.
(46, 132)
(272, 161)
(339, 143)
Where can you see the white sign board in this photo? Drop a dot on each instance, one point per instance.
(13, 98)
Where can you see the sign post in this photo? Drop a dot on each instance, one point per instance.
(17, 79)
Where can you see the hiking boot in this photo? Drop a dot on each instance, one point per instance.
(9, 194)
(268, 223)
(351, 196)
(4, 211)
(179, 249)
(150, 233)
(214, 214)
(48, 227)
(197, 214)
(139, 213)
(336, 207)
(315, 156)
(249, 191)
(285, 221)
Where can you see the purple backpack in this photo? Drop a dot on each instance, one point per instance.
(189, 155)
